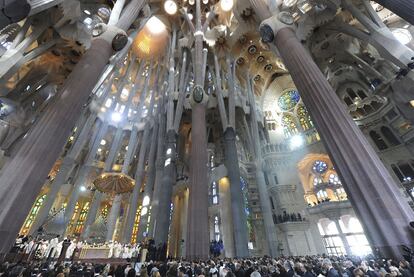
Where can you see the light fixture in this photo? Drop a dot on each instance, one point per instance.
(412, 103)
(116, 117)
(191, 2)
(296, 141)
(170, 7)
(87, 12)
(402, 35)
(82, 188)
(155, 25)
(205, 2)
(103, 142)
(226, 5)
(144, 211)
(190, 16)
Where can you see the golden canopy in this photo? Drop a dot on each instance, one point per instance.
(114, 183)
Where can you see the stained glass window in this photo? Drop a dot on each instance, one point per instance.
(333, 179)
(288, 100)
(136, 224)
(216, 228)
(320, 167)
(81, 219)
(317, 181)
(289, 125)
(32, 215)
(322, 194)
(304, 118)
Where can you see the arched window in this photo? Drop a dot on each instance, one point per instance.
(361, 94)
(334, 180)
(33, 213)
(304, 118)
(216, 228)
(289, 125)
(348, 101)
(377, 139)
(389, 135)
(288, 100)
(322, 194)
(351, 93)
(317, 181)
(397, 172)
(214, 193)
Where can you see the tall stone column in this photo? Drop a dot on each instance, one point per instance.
(24, 175)
(184, 224)
(269, 226)
(67, 166)
(197, 232)
(168, 180)
(402, 8)
(143, 222)
(82, 176)
(237, 200)
(139, 177)
(98, 196)
(375, 196)
(232, 162)
(116, 204)
(174, 237)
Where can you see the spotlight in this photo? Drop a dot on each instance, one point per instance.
(103, 142)
(402, 35)
(116, 117)
(144, 211)
(146, 200)
(170, 7)
(296, 141)
(82, 188)
(155, 25)
(226, 5)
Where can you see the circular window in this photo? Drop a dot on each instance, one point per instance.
(288, 100)
(320, 167)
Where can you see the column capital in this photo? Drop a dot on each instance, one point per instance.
(229, 134)
(272, 25)
(198, 96)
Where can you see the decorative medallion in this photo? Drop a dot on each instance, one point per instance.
(198, 94)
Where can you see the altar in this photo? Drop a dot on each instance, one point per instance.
(94, 252)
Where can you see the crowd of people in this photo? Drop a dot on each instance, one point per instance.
(309, 266)
(285, 217)
(57, 258)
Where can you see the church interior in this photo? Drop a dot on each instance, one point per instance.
(270, 127)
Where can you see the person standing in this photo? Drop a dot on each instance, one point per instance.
(330, 271)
